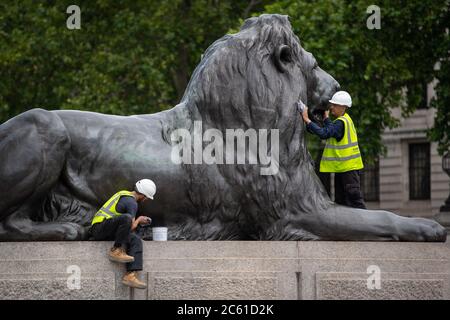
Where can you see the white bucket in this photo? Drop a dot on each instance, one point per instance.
(159, 234)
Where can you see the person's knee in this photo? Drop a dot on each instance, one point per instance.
(125, 219)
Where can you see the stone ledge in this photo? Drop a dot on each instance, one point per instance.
(50, 286)
(398, 286)
(229, 270)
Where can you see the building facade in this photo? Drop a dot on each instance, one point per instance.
(409, 180)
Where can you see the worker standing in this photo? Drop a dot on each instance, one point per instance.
(116, 220)
(341, 154)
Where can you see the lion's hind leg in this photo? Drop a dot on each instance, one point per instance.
(33, 148)
(19, 227)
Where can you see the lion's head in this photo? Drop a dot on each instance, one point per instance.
(252, 80)
(254, 77)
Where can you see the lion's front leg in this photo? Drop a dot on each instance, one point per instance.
(420, 229)
(345, 223)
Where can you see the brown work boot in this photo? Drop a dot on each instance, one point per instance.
(117, 254)
(130, 279)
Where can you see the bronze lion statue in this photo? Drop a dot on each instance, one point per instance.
(58, 167)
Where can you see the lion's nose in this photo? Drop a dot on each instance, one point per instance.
(334, 87)
(337, 86)
(331, 87)
(331, 84)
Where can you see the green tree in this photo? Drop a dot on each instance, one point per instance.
(137, 57)
(381, 68)
(441, 130)
(128, 57)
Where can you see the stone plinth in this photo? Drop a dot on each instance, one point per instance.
(251, 270)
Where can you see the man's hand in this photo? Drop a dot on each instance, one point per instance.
(305, 115)
(326, 114)
(303, 109)
(144, 220)
(140, 220)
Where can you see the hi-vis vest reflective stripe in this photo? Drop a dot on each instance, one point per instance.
(343, 155)
(109, 208)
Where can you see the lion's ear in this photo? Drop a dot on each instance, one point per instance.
(282, 57)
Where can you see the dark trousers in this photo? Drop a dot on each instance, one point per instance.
(119, 230)
(347, 189)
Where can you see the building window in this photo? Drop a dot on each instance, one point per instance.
(419, 171)
(370, 182)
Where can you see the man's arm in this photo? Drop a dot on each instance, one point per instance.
(330, 129)
(128, 205)
(140, 220)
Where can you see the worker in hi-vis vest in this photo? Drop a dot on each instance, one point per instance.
(341, 154)
(116, 220)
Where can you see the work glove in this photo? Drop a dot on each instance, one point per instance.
(300, 106)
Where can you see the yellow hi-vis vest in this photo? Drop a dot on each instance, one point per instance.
(108, 210)
(342, 155)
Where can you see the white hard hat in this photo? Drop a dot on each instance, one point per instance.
(342, 98)
(147, 187)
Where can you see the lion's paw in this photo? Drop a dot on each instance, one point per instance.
(69, 231)
(431, 231)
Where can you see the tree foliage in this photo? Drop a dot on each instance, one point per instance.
(441, 130)
(137, 56)
(128, 57)
(381, 68)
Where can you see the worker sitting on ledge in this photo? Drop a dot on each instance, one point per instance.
(115, 220)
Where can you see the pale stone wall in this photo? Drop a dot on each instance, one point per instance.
(251, 270)
(394, 176)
